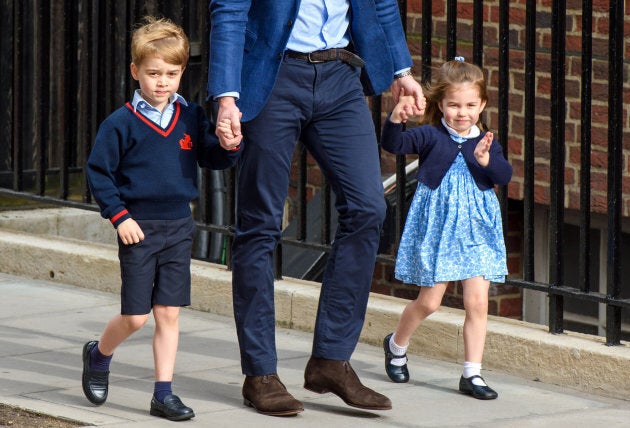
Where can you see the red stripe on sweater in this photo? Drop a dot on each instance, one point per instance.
(117, 216)
(162, 132)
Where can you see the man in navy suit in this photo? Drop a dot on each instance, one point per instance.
(289, 70)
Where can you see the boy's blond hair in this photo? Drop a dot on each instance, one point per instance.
(160, 37)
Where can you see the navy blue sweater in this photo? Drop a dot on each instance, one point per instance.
(137, 169)
(437, 151)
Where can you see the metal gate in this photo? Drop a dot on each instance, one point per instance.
(64, 67)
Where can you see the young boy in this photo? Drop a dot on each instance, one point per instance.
(142, 173)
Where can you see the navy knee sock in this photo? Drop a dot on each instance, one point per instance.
(161, 390)
(98, 361)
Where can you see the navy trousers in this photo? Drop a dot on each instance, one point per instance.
(323, 106)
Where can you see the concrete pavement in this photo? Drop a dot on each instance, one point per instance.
(76, 247)
(44, 324)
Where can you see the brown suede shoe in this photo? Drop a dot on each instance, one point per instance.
(322, 375)
(268, 395)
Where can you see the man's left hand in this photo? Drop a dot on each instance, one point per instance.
(407, 85)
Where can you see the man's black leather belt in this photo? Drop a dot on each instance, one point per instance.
(333, 54)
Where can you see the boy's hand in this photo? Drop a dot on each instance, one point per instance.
(129, 232)
(482, 151)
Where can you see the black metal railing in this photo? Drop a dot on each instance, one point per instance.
(64, 67)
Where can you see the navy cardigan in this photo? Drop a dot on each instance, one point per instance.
(437, 152)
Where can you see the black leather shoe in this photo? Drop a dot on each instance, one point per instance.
(398, 374)
(95, 383)
(481, 392)
(172, 409)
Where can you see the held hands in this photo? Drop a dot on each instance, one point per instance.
(482, 151)
(225, 129)
(129, 232)
(229, 124)
(407, 85)
(405, 109)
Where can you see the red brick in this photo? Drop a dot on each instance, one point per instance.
(501, 289)
(541, 195)
(599, 203)
(453, 302)
(573, 44)
(599, 159)
(381, 288)
(407, 292)
(493, 308)
(570, 176)
(541, 173)
(511, 307)
(414, 6)
(599, 181)
(515, 190)
(601, 25)
(600, 6)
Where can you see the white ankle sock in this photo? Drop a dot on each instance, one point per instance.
(398, 351)
(473, 369)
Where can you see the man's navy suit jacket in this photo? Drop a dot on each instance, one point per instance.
(248, 38)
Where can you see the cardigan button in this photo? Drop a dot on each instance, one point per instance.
(459, 146)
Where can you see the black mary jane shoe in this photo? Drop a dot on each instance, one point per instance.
(398, 374)
(95, 383)
(172, 409)
(481, 392)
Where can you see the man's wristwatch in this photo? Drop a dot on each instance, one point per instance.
(402, 74)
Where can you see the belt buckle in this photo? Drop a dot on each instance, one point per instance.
(313, 61)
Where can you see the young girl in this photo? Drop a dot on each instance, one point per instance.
(453, 229)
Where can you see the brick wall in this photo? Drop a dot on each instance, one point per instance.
(599, 87)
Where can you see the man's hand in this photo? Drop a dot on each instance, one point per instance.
(404, 109)
(225, 127)
(407, 85)
(229, 113)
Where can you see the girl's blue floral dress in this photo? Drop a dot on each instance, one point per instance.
(452, 232)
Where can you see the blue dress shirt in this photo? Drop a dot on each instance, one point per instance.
(160, 118)
(320, 24)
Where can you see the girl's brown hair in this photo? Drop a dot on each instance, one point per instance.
(160, 37)
(451, 73)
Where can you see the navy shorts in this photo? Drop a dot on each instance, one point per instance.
(156, 271)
